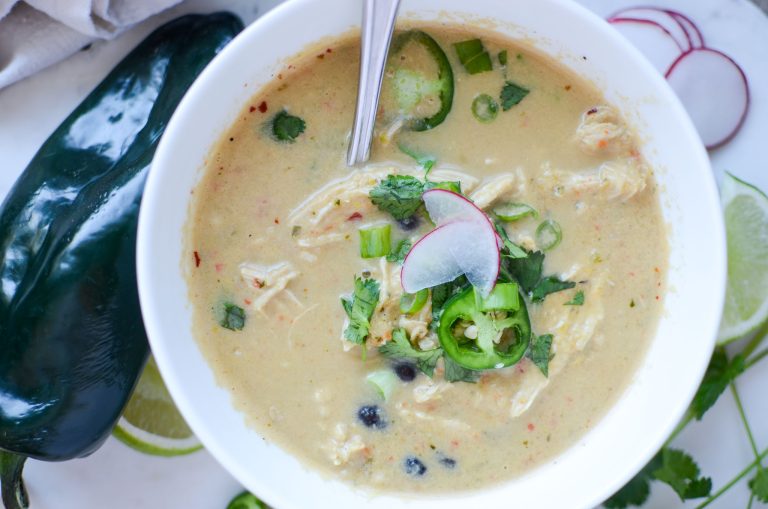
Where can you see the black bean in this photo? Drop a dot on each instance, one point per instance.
(447, 462)
(405, 371)
(409, 223)
(413, 466)
(370, 415)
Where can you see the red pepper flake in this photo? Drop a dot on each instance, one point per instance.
(592, 111)
(280, 76)
(657, 270)
(354, 217)
(258, 283)
(531, 427)
(277, 221)
(658, 298)
(567, 87)
(247, 302)
(252, 109)
(197, 259)
(263, 107)
(328, 50)
(455, 443)
(219, 267)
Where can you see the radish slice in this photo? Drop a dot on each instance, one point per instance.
(694, 34)
(460, 247)
(652, 39)
(714, 90)
(661, 18)
(446, 207)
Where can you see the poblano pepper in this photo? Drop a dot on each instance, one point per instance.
(72, 342)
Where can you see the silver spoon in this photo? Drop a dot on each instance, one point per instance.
(378, 23)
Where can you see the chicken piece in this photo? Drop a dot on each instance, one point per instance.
(269, 282)
(344, 445)
(387, 313)
(619, 179)
(325, 217)
(602, 131)
(507, 185)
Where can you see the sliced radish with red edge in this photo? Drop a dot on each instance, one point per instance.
(694, 34)
(661, 17)
(714, 90)
(654, 41)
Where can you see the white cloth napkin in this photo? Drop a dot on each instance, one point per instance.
(37, 33)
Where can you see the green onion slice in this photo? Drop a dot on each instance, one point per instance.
(384, 381)
(473, 56)
(375, 241)
(513, 211)
(411, 303)
(503, 297)
(548, 234)
(484, 108)
(503, 57)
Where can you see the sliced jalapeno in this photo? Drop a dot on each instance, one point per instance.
(497, 339)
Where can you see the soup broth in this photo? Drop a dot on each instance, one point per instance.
(273, 245)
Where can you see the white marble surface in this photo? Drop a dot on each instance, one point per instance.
(120, 478)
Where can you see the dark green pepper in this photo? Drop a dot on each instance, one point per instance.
(483, 352)
(71, 335)
(444, 76)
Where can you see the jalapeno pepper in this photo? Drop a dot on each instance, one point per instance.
(444, 77)
(501, 338)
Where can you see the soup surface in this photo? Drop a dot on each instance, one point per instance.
(378, 389)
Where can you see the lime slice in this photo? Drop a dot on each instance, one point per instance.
(746, 224)
(151, 423)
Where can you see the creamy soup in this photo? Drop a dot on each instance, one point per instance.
(294, 263)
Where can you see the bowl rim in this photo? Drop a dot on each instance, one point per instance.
(152, 206)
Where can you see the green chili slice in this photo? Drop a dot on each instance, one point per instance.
(444, 76)
(375, 241)
(473, 56)
(480, 350)
(509, 212)
(484, 108)
(548, 235)
(246, 500)
(503, 297)
(411, 303)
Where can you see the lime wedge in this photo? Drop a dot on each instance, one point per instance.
(151, 423)
(746, 224)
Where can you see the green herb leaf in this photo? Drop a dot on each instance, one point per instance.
(401, 250)
(455, 372)
(681, 472)
(512, 249)
(399, 195)
(720, 373)
(577, 300)
(512, 94)
(441, 294)
(359, 309)
(759, 485)
(234, 317)
(425, 161)
(549, 284)
(448, 186)
(540, 352)
(637, 490)
(503, 57)
(286, 127)
(526, 271)
(400, 348)
(473, 56)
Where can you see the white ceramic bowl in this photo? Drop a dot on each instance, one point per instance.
(632, 431)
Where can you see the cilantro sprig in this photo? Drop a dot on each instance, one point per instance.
(400, 195)
(426, 360)
(359, 308)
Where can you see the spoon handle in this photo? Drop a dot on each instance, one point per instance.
(378, 23)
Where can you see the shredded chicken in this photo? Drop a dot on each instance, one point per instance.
(619, 179)
(507, 185)
(269, 282)
(343, 446)
(602, 131)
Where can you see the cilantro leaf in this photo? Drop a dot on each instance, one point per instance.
(526, 271)
(637, 490)
(234, 317)
(441, 294)
(577, 300)
(512, 249)
(512, 94)
(455, 372)
(549, 284)
(401, 348)
(719, 374)
(759, 485)
(286, 127)
(425, 161)
(398, 254)
(360, 309)
(540, 352)
(399, 195)
(454, 186)
(681, 472)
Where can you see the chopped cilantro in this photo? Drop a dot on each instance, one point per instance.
(425, 161)
(398, 254)
(400, 348)
(455, 372)
(719, 374)
(286, 127)
(473, 56)
(637, 490)
(759, 485)
(399, 195)
(512, 94)
(512, 249)
(448, 186)
(679, 471)
(503, 57)
(359, 309)
(441, 294)
(234, 317)
(526, 271)
(547, 285)
(577, 300)
(540, 352)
